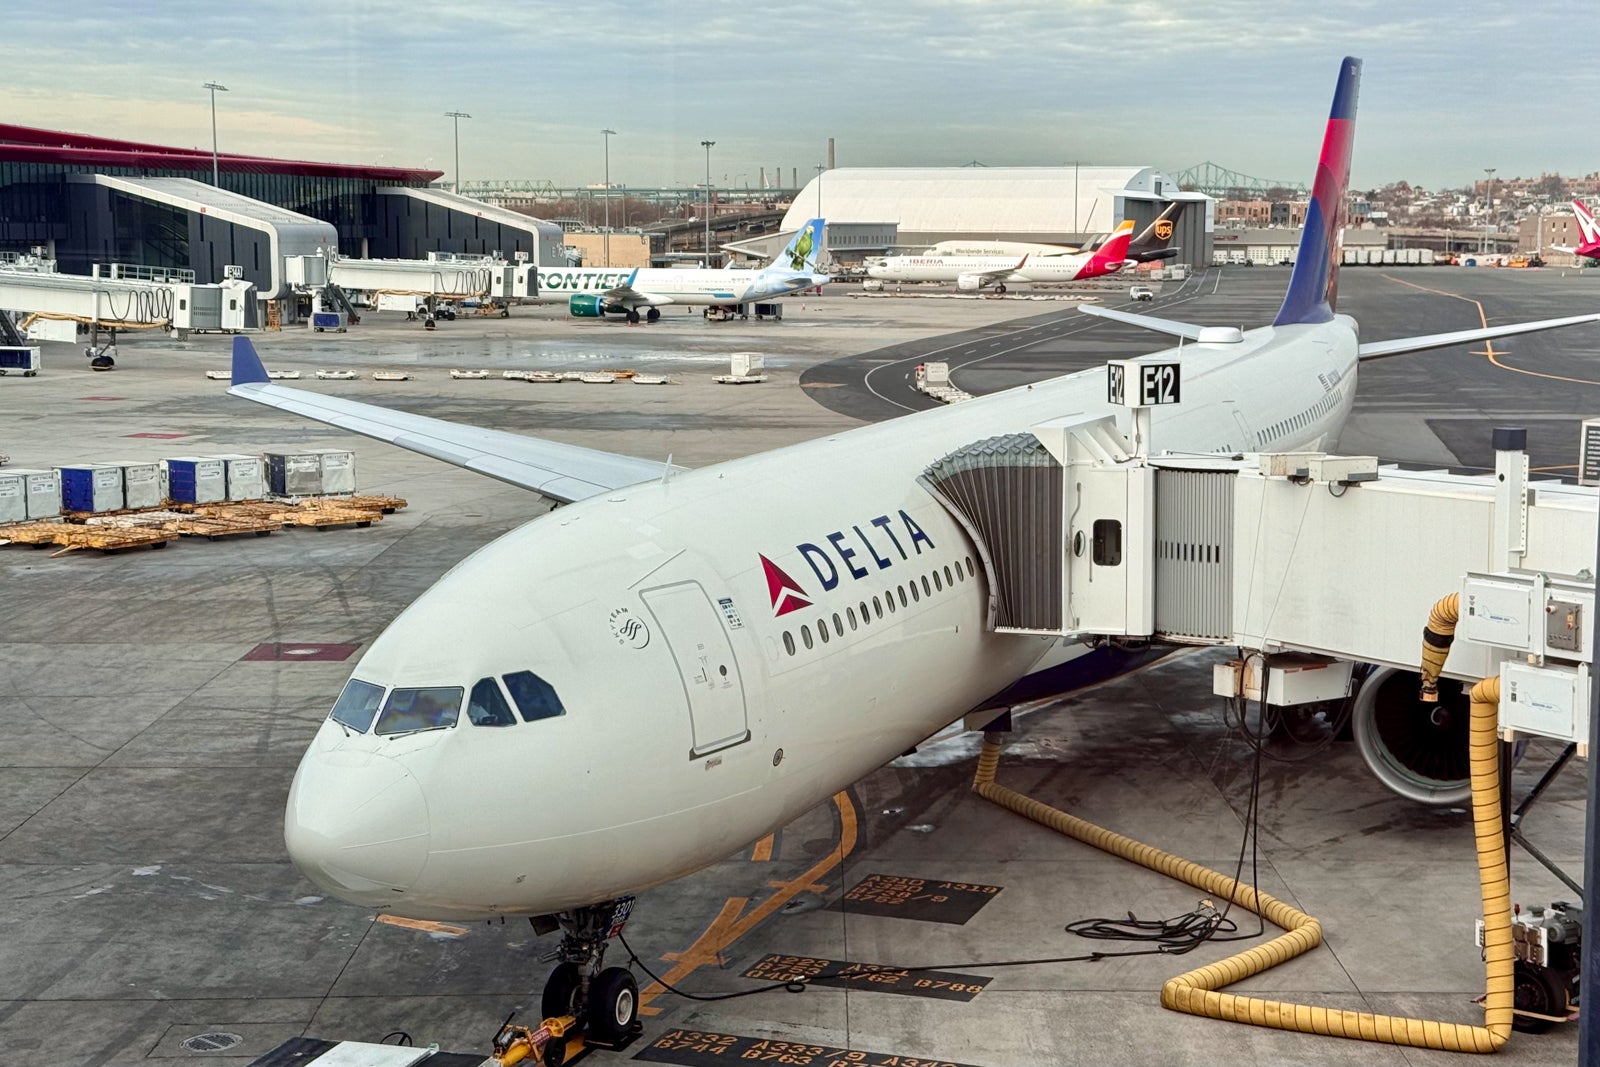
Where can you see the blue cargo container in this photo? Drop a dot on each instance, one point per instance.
(92, 487)
(196, 480)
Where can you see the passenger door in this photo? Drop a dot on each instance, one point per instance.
(694, 632)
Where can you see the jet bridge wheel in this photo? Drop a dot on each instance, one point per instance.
(1541, 991)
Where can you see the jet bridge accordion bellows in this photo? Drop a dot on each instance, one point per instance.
(1007, 493)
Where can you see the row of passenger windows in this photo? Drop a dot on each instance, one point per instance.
(1298, 422)
(408, 711)
(863, 615)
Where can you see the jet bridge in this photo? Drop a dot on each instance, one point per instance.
(399, 284)
(119, 297)
(1084, 535)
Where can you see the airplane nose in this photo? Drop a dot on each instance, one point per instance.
(357, 825)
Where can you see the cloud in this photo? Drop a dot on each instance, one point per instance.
(1002, 81)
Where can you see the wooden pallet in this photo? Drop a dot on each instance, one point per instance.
(214, 528)
(324, 517)
(72, 536)
(386, 504)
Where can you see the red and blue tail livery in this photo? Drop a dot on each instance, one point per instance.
(1313, 288)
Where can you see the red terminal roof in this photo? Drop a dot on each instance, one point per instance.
(27, 144)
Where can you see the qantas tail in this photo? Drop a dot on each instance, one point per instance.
(1314, 286)
(1109, 257)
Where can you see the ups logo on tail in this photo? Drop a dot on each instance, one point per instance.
(1163, 229)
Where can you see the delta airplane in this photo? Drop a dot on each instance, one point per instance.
(594, 292)
(1151, 243)
(971, 273)
(674, 663)
(1589, 247)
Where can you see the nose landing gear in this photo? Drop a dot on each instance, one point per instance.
(586, 1005)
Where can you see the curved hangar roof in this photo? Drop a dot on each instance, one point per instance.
(1015, 200)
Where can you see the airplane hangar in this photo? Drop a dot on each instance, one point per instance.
(1049, 205)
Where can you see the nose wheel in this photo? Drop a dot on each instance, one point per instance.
(602, 1003)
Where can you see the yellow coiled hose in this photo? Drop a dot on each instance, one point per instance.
(1196, 992)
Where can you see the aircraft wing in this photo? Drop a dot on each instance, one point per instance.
(561, 472)
(1171, 327)
(1400, 346)
(629, 297)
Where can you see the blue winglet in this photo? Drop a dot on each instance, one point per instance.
(247, 368)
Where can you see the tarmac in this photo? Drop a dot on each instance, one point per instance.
(146, 755)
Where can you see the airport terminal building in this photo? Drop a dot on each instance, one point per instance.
(94, 200)
(911, 208)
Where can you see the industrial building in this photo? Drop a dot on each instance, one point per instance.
(89, 200)
(912, 208)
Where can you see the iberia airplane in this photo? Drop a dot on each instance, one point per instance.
(971, 273)
(677, 662)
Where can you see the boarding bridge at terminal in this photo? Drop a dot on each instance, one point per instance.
(1084, 535)
(406, 284)
(1310, 565)
(55, 307)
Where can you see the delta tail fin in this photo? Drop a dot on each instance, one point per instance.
(1314, 286)
(803, 249)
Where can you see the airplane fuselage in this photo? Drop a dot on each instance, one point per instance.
(671, 286)
(697, 718)
(992, 269)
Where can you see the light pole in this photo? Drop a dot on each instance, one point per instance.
(707, 145)
(215, 88)
(457, 116)
(606, 240)
(1488, 218)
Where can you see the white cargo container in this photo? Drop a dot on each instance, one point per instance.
(141, 485)
(42, 488)
(13, 497)
(244, 476)
(745, 364)
(1391, 256)
(338, 470)
(294, 473)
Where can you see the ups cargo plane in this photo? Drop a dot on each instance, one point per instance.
(677, 662)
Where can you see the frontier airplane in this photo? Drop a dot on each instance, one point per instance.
(594, 292)
(676, 663)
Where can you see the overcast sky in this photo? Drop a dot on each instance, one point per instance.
(1448, 88)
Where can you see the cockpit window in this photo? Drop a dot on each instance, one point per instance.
(357, 705)
(534, 696)
(486, 707)
(409, 710)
